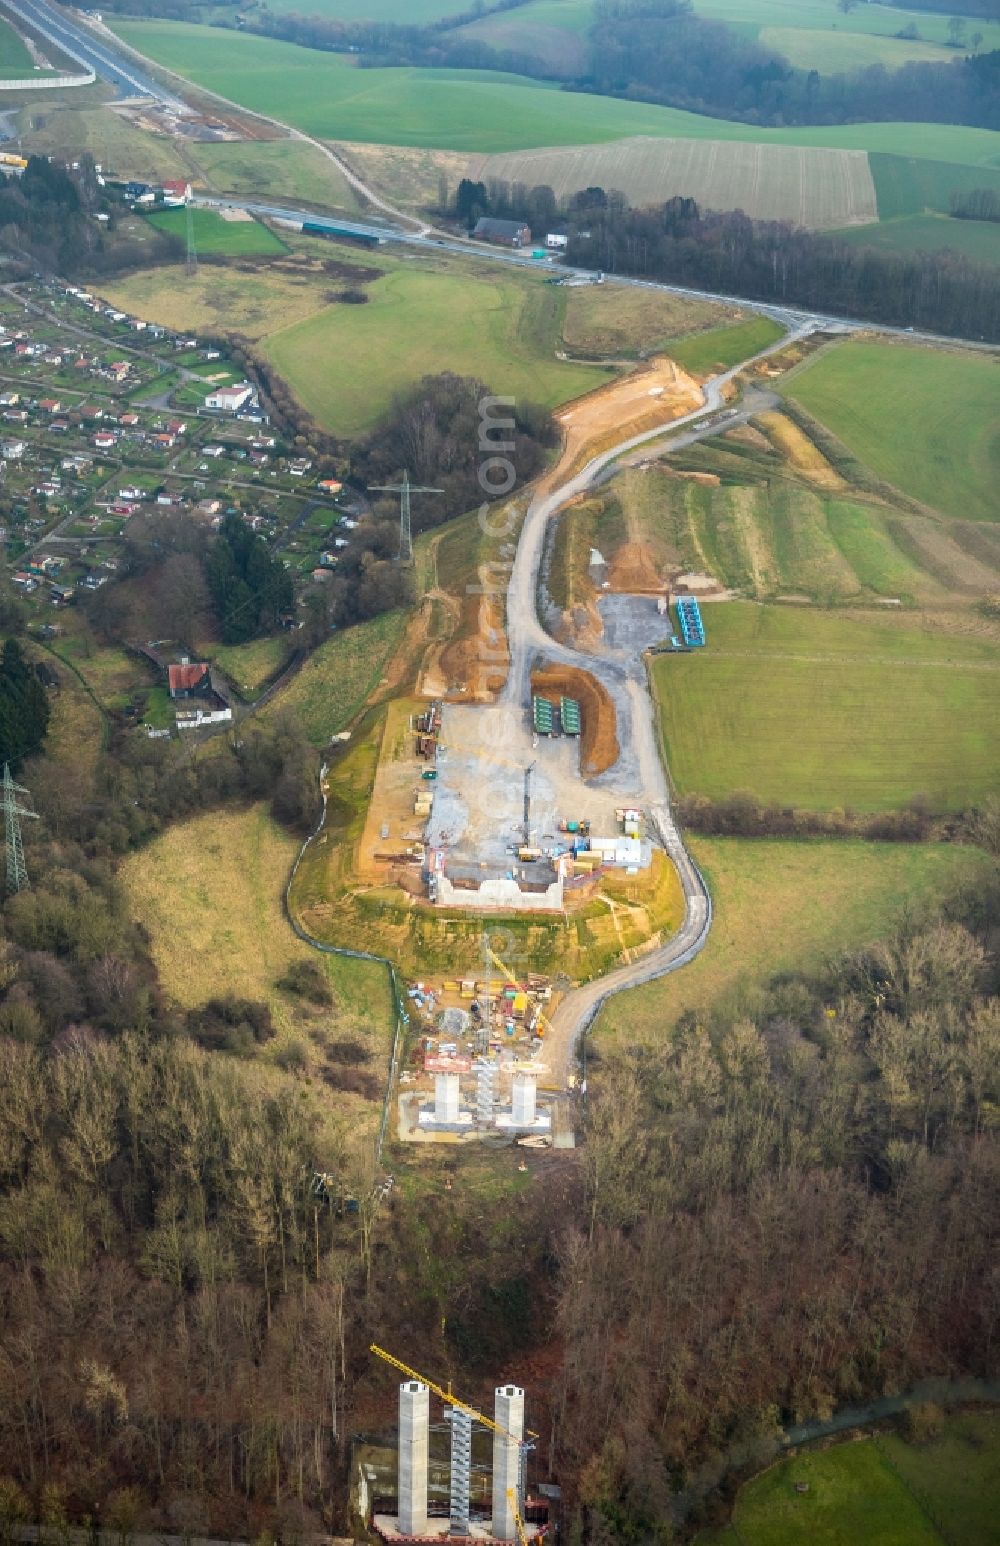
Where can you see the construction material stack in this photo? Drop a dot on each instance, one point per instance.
(542, 716)
(569, 716)
(689, 617)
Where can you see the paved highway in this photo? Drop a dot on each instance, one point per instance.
(80, 44)
(789, 317)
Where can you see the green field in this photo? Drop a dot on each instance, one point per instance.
(325, 95)
(251, 666)
(275, 169)
(232, 866)
(840, 52)
(786, 539)
(347, 363)
(785, 906)
(975, 239)
(706, 354)
(340, 676)
(753, 17)
(212, 234)
(801, 707)
(926, 420)
(912, 185)
(15, 60)
(889, 1493)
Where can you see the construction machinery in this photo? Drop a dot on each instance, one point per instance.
(542, 1024)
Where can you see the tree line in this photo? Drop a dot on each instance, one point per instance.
(660, 51)
(24, 707)
(943, 292)
(975, 204)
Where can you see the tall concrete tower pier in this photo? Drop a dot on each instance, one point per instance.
(508, 1414)
(414, 1416)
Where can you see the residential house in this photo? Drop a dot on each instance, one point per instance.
(176, 193)
(502, 233)
(230, 399)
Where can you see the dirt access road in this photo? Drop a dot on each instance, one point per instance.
(625, 679)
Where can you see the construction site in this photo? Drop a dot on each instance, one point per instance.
(478, 1068)
(523, 807)
(462, 1478)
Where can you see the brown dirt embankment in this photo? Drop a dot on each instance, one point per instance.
(599, 749)
(657, 393)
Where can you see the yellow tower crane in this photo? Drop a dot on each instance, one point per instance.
(448, 1397)
(522, 1534)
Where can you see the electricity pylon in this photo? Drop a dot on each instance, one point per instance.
(17, 871)
(404, 490)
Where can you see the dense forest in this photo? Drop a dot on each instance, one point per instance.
(24, 707)
(249, 585)
(785, 1213)
(783, 1210)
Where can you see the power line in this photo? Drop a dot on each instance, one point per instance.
(404, 490)
(17, 870)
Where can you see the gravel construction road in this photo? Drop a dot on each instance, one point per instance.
(624, 676)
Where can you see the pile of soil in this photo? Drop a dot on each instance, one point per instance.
(599, 749)
(475, 660)
(633, 569)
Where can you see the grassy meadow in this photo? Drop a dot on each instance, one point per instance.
(275, 169)
(16, 62)
(611, 321)
(347, 363)
(326, 96)
(338, 678)
(928, 421)
(212, 234)
(209, 891)
(801, 707)
(975, 239)
(251, 666)
(706, 354)
(887, 1494)
(782, 906)
(915, 184)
